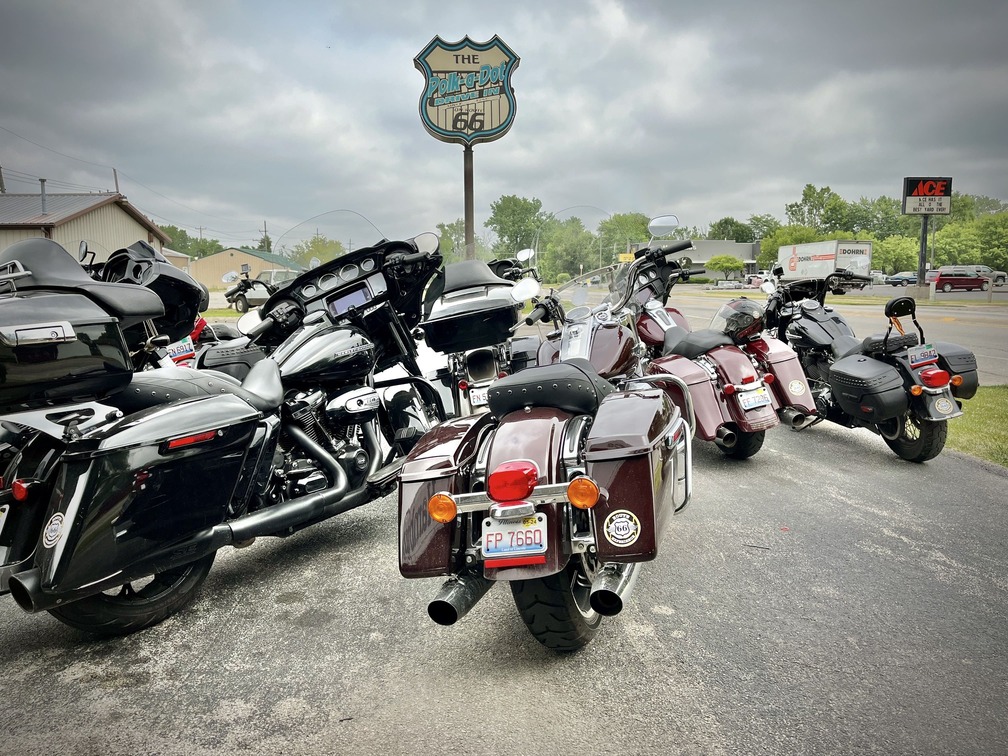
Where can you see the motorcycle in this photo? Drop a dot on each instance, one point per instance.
(239, 294)
(98, 523)
(486, 299)
(563, 487)
(897, 385)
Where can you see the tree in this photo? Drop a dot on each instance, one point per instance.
(895, 253)
(726, 264)
(515, 221)
(763, 225)
(783, 237)
(265, 243)
(452, 235)
(569, 248)
(729, 228)
(815, 207)
(621, 229)
(187, 245)
(993, 233)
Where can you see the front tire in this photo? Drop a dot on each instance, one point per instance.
(746, 444)
(241, 304)
(556, 609)
(984, 286)
(915, 440)
(947, 288)
(130, 608)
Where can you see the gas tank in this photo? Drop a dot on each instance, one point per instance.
(608, 347)
(323, 352)
(815, 327)
(653, 322)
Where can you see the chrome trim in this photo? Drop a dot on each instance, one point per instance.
(573, 462)
(480, 501)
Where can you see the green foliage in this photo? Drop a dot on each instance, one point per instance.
(562, 278)
(265, 243)
(187, 245)
(783, 237)
(567, 247)
(895, 253)
(983, 430)
(763, 225)
(619, 230)
(729, 228)
(726, 264)
(515, 221)
(318, 246)
(820, 209)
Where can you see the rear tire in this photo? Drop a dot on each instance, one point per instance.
(556, 608)
(917, 440)
(241, 304)
(746, 445)
(128, 609)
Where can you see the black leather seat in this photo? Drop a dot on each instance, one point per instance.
(572, 386)
(261, 388)
(692, 344)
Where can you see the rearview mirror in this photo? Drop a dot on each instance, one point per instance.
(230, 277)
(663, 225)
(768, 287)
(526, 288)
(524, 254)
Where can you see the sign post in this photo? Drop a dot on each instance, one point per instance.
(926, 197)
(467, 99)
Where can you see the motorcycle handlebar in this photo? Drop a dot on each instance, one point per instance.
(539, 312)
(232, 291)
(261, 327)
(407, 258)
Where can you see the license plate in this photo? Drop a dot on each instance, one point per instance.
(478, 396)
(182, 350)
(753, 399)
(924, 354)
(514, 537)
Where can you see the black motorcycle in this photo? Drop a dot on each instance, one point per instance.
(119, 485)
(896, 384)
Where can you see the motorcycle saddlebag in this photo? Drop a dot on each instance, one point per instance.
(58, 347)
(439, 462)
(868, 389)
(957, 360)
(470, 319)
(638, 451)
(145, 492)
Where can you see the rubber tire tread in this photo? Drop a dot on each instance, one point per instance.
(927, 446)
(108, 616)
(547, 607)
(746, 444)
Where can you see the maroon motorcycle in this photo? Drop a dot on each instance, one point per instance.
(567, 484)
(741, 384)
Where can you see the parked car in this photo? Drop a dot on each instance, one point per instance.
(999, 277)
(959, 277)
(877, 277)
(903, 278)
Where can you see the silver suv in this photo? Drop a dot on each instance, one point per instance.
(999, 277)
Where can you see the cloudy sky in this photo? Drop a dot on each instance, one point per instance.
(222, 116)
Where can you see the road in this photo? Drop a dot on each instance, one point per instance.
(822, 597)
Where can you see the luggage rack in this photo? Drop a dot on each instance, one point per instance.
(9, 273)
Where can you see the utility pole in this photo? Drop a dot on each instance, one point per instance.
(3, 189)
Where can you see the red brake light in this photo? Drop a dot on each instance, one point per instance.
(512, 481)
(196, 438)
(20, 489)
(729, 389)
(463, 385)
(749, 379)
(934, 377)
(769, 378)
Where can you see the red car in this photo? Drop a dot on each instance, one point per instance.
(960, 278)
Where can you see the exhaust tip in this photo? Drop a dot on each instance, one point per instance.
(442, 612)
(605, 602)
(727, 438)
(23, 587)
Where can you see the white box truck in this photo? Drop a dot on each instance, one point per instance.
(819, 259)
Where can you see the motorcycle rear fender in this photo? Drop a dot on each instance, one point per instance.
(708, 405)
(126, 503)
(734, 367)
(790, 387)
(941, 406)
(442, 460)
(638, 452)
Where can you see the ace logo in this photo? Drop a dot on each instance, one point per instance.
(927, 195)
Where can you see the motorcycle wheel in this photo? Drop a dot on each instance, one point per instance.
(913, 439)
(137, 605)
(556, 608)
(241, 304)
(746, 444)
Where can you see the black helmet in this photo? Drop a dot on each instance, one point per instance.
(740, 319)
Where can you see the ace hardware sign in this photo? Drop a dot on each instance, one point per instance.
(927, 196)
(467, 95)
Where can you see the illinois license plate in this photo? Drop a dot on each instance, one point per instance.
(752, 399)
(520, 537)
(478, 396)
(924, 354)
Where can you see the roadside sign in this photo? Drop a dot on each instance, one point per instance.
(927, 196)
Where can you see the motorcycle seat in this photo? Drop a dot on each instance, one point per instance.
(878, 343)
(573, 386)
(844, 346)
(261, 388)
(694, 343)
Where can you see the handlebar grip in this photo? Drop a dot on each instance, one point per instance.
(538, 313)
(671, 249)
(232, 291)
(259, 329)
(407, 259)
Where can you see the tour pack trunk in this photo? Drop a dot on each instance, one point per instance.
(143, 494)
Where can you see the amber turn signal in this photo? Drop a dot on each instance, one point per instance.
(956, 380)
(916, 390)
(441, 507)
(583, 493)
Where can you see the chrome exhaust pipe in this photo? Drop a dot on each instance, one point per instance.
(611, 587)
(725, 437)
(791, 417)
(457, 596)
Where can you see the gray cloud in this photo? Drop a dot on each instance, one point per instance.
(226, 115)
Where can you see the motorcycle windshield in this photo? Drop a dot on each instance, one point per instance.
(594, 291)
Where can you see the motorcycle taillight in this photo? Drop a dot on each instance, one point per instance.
(513, 481)
(934, 377)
